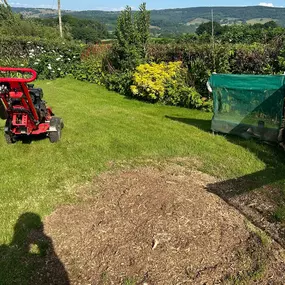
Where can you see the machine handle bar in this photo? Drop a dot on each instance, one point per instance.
(20, 70)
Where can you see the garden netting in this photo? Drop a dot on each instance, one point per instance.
(248, 105)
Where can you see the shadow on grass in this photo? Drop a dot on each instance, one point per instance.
(30, 257)
(272, 156)
(265, 182)
(32, 138)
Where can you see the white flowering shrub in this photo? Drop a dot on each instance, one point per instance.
(50, 60)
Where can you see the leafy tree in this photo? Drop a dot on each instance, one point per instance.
(142, 22)
(5, 12)
(207, 28)
(86, 30)
(132, 34)
(270, 24)
(257, 33)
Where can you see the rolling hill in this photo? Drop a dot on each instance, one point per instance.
(180, 20)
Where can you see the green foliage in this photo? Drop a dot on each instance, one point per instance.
(202, 60)
(114, 65)
(50, 59)
(188, 97)
(253, 59)
(173, 22)
(249, 34)
(90, 71)
(129, 50)
(207, 28)
(90, 68)
(237, 33)
(166, 83)
(129, 281)
(12, 25)
(132, 34)
(119, 81)
(142, 22)
(5, 13)
(55, 63)
(85, 30)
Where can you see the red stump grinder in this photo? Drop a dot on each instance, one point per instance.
(23, 108)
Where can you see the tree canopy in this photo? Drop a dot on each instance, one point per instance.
(86, 30)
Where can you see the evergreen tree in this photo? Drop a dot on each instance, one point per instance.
(142, 26)
(132, 34)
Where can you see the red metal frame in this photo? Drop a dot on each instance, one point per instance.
(19, 70)
(24, 116)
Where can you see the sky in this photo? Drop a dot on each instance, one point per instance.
(115, 5)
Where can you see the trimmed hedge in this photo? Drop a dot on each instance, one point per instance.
(53, 59)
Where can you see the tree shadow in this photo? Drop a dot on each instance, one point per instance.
(273, 157)
(237, 191)
(30, 257)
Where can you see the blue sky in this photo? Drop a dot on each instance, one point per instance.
(114, 5)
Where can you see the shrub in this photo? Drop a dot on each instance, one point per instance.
(228, 58)
(90, 68)
(51, 59)
(90, 71)
(119, 81)
(253, 59)
(95, 52)
(188, 97)
(51, 64)
(151, 80)
(166, 83)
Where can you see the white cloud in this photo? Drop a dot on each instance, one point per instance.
(266, 4)
(17, 4)
(113, 9)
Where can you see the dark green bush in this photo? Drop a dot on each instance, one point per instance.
(119, 81)
(89, 71)
(90, 67)
(202, 59)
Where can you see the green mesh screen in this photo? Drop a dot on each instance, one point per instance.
(248, 105)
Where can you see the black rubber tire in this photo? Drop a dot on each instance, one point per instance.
(9, 138)
(56, 122)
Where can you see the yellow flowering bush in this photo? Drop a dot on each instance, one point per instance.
(151, 80)
(167, 83)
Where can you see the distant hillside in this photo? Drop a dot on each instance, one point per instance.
(177, 20)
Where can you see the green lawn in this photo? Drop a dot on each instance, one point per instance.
(103, 127)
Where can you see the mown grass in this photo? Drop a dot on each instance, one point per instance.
(103, 127)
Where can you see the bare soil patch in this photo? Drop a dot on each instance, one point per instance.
(161, 226)
(258, 205)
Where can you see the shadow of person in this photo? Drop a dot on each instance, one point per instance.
(30, 257)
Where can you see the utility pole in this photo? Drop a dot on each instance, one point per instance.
(59, 19)
(213, 40)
